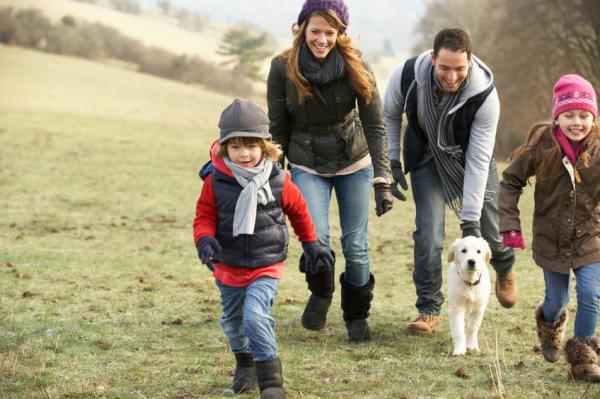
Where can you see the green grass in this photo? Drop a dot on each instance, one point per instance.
(101, 292)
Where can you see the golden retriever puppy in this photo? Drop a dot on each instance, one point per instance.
(469, 288)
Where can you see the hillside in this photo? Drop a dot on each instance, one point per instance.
(154, 29)
(150, 28)
(32, 81)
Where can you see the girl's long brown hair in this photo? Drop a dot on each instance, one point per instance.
(551, 157)
(361, 79)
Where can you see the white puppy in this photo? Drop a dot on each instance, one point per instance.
(468, 291)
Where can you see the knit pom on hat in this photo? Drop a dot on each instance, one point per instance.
(573, 92)
(243, 118)
(337, 6)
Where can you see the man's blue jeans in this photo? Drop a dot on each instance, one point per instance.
(428, 194)
(588, 297)
(247, 321)
(353, 193)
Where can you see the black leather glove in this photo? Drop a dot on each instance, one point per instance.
(470, 228)
(209, 250)
(383, 198)
(399, 178)
(316, 257)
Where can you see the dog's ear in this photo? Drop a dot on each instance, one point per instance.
(488, 252)
(452, 250)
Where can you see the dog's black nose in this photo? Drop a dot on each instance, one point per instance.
(471, 264)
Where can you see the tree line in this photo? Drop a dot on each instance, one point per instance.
(528, 44)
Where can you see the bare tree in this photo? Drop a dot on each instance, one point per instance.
(528, 44)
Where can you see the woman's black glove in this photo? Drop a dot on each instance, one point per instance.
(383, 198)
(209, 250)
(399, 178)
(317, 258)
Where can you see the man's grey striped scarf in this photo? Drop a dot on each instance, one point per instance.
(448, 155)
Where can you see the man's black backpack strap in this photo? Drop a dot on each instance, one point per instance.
(408, 75)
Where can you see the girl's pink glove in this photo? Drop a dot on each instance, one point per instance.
(513, 239)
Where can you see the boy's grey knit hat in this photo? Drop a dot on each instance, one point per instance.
(243, 118)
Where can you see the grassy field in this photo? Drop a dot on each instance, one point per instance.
(101, 292)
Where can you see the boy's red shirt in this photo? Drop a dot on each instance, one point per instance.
(205, 224)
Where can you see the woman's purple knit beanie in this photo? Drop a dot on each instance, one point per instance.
(338, 6)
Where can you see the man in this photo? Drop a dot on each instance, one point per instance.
(452, 111)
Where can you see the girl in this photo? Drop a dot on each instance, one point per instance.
(326, 112)
(241, 235)
(564, 156)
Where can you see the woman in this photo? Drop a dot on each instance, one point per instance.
(325, 111)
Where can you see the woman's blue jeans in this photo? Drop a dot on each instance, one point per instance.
(588, 296)
(353, 194)
(247, 321)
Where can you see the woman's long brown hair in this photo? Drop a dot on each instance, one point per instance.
(361, 79)
(551, 157)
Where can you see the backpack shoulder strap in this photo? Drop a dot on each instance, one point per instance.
(408, 75)
(206, 170)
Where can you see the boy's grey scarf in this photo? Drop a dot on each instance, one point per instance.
(447, 154)
(257, 190)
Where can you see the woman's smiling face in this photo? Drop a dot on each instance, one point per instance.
(320, 37)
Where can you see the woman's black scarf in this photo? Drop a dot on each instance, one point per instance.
(319, 73)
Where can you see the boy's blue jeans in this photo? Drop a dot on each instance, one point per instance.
(588, 296)
(247, 321)
(428, 194)
(353, 193)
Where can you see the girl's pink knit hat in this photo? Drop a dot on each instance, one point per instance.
(573, 92)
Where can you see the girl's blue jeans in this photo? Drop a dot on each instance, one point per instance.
(247, 321)
(353, 194)
(588, 296)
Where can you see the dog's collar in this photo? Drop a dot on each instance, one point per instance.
(470, 284)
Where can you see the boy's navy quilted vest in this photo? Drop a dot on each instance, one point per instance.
(269, 243)
(415, 138)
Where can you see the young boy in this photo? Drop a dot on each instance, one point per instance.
(241, 236)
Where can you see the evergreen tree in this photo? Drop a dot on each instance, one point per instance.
(245, 51)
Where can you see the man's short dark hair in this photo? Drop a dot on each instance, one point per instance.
(453, 39)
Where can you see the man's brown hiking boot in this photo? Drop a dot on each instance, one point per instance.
(506, 289)
(425, 324)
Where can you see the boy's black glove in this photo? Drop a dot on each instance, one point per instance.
(317, 258)
(209, 250)
(383, 198)
(470, 228)
(399, 178)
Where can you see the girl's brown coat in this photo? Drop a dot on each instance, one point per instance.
(566, 219)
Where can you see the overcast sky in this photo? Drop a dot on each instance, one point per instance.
(371, 21)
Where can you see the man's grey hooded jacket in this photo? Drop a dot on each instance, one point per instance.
(482, 136)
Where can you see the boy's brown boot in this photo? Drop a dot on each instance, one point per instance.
(583, 357)
(506, 289)
(244, 377)
(425, 324)
(550, 333)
